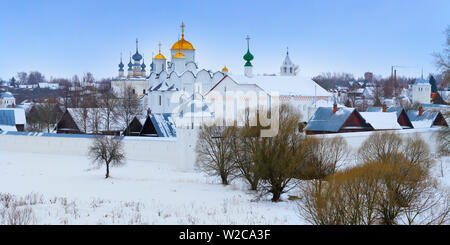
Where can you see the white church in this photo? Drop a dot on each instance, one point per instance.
(178, 86)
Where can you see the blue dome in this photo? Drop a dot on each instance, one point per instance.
(137, 56)
(121, 66)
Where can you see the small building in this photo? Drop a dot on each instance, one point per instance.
(337, 120)
(135, 127)
(402, 116)
(87, 121)
(426, 119)
(7, 100)
(421, 91)
(12, 119)
(159, 125)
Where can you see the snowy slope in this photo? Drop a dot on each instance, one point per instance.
(70, 190)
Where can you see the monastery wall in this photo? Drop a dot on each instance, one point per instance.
(136, 148)
(179, 152)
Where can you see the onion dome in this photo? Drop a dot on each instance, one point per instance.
(248, 56)
(130, 65)
(143, 66)
(137, 56)
(121, 66)
(182, 43)
(159, 57)
(225, 69)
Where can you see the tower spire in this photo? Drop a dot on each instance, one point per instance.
(182, 29)
(137, 44)
(248, 42)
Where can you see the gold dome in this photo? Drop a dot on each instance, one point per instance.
(159, 57)
(225, 69)
(178, 55)
(182, 44)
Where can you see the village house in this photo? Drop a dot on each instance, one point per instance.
(336, 120)
(12, 119)
(87, 121)
(426, 118)
(159, 125)
(402, 116)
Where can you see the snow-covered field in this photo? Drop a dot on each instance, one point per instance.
(52, 189)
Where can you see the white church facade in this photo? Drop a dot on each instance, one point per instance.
(173, 84)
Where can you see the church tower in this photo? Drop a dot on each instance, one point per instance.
(288, 68)
(421, 91)
(121, 66)
(130, 68)
(184, 47)
(159, 62)
(179, 60)
(137, 69)
(248, 57)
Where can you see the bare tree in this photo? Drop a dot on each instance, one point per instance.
(324, 156)
(129, 106)
(22, 77)
(107, 150)
(49, 115)
(215, 155)
(443, 59)
(110, 103)
(280, 157)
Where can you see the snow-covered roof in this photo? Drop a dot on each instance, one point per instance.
(425, 121)
(381, 120)
(325, 120)
(12, 116)
(285, 85)
(6, 95)
(396, 109)
(164, 124)
(77, 115)
(421, 81)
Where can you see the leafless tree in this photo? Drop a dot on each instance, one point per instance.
(280, 157)
(443, 59)
(129, 106)
(107, 150)
(323, 157)
(215, 152)
(110, 103)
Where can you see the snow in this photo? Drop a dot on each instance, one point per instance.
(381, 120)
(422, 123)
(69, 190)
(285, 85)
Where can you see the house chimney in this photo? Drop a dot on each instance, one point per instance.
(384, 107)
(149, 112)
(420, 111)
(335, 108)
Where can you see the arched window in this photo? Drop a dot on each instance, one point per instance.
(160, 100)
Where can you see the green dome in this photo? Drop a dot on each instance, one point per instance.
(248, 63)
(248, 56)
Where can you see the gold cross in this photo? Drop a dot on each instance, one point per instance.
(182, 28)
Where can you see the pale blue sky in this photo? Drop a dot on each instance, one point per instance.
(63, 38)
